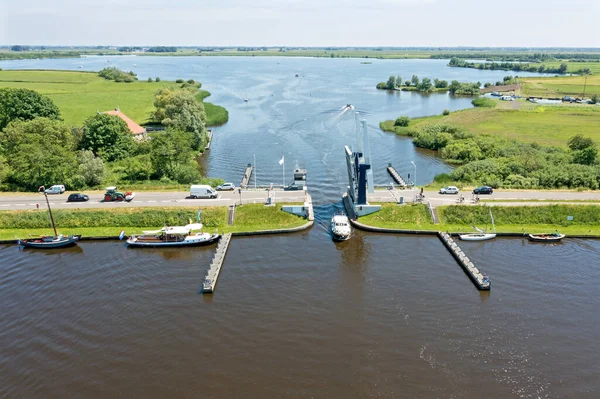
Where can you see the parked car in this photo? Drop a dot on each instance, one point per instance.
(56, 189)
(449, 190)
(483, 190)
(568, 99)
(226, 187)
(78, 197)
(507, 98)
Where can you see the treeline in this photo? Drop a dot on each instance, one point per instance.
(128, 49)
(427, 86)
(117, 75)
(523, 57)
(501, 162)
(517, 67)
(30, 55)
(37, 148)
(162, 49)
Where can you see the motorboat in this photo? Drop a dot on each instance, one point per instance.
(481, 235)
(552, 237)
(340, 227)
(56, 241)
(173, 236)
(349, 106)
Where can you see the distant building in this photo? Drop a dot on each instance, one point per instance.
(138, 131)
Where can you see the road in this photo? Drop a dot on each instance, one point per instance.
(21, 201)
(516, 197)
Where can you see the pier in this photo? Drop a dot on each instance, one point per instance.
(246, 178)
(481, 282)
(396, 176)
(212, 275)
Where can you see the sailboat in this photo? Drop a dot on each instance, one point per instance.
(57, 241)
(246, 98)
(481, 235)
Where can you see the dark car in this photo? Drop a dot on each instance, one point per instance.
(77, 197)
(483, 190)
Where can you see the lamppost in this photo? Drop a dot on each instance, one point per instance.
(240, 191)
(413, 164)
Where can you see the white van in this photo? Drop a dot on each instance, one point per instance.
(56, 189)
(202, 191)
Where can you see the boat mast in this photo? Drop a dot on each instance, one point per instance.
(492, 216)
(43, 190)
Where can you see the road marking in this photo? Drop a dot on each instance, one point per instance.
(150, 201)
(4, 205)
(19, 204)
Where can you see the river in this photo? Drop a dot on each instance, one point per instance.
(298, 315)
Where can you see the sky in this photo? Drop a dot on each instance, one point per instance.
(400, 23)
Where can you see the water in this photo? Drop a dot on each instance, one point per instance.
(377, 316)
(298, 315)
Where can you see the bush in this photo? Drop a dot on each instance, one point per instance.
(191, 81)
(446, 112)
(595, 99)
(484, 102)
(117, 75)
(381, 86)
(157, 79)
(402, 121)
(179, 81)
(149, 80)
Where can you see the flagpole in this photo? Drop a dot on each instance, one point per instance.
(255, 171)
(283, 166)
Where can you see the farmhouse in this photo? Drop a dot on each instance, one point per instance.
(138, 131)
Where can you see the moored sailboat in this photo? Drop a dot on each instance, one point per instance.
(481, 235)
(56, 241)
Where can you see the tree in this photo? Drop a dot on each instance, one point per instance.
(149, 80)
(172, 156)
(391, 83)
(398, 81)
(425, 86)
(595, 99)
(415, 80)
(585, 156)
(440, 84)
(407, 83)
(38, 152)
(179, 109)
(106, 136)
(25, 104)
(402, 121)
(562, 68)
(157, 79)
(579, 142)
(91, 168)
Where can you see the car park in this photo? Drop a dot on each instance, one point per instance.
(483, 190)
(226, 187)
(56, 189)
(78, 197)
(449, 190)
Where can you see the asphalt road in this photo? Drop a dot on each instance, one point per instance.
(20, 201)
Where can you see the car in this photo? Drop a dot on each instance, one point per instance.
(56, 189)
(78, 197)
(449, 190)
(226, 187)
(483, 190)
(568, 99)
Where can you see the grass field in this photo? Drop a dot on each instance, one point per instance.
(544, 124)
(561, 86)
(572, 67)
(95, 222)
(80, 95)
(512, 219)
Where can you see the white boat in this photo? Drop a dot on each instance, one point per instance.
(481, 235)
(173, 236)
(340, 227)
(552, 237)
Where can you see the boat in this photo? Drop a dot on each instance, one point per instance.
(481, 235)
(340, 227)
(552, 237)
(349, 106)
(56, 241)
(297, 75)
(173, 236)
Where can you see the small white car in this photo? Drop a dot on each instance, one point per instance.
(56, 189)
(449, 190)
(226, 187)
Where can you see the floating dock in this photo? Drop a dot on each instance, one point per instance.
(396, 176)
(481, 282)
(246, 177)
(212, 275)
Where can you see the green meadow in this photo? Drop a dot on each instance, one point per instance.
(561, 86)
(80, 95)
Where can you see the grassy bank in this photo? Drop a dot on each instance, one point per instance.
(80, 95)
(560, 86)
(96, 222)
(215, 114)
(527, 122)
(510, 219)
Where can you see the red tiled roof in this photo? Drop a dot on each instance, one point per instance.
(134, 127)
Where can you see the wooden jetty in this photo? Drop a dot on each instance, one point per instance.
(246, 178)
(212, 275)
(396, 176)
(481, 282)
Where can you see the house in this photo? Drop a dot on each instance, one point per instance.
(138, 131)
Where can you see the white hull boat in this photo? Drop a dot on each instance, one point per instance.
(340, 227)
(175, 236)
(481, 235)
